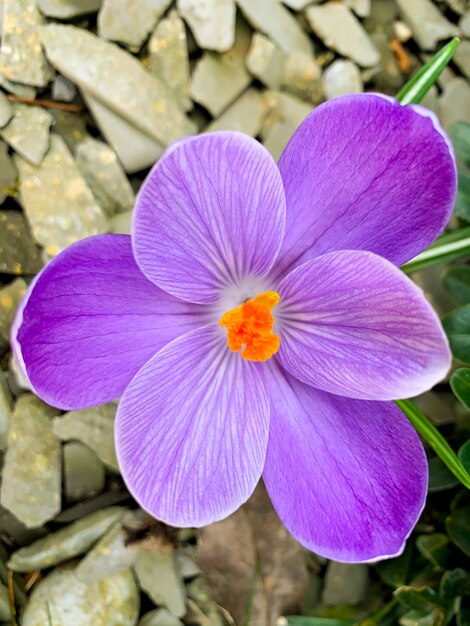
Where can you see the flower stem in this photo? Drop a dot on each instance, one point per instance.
(448, 247)
(434, 438)
(418, 86)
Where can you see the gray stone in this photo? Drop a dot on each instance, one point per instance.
(71, 127)
(18, 89)
(454, 104)
(94, 427)
(265, 61)
(8, 174)
(105, 176)
(212, 22)
(6, 110)
(402, 31)
(159, 578)
(63, 89)
(67, 9)
(159, 617)
(18, 381)
(98, 67)
(6, 401)
(84, 474)
(245, 115)
(340, 30)
(31, 486)
(186, 564)
(285, 115)
(28, 132)
(61, 599)
(340, 78)
(458, 6)
(66, 543)
(301, 77)
(273, 19)
(464, 24)
(345, 583)
(10, 297)
(120, 224)
(386, 76)
(169, 60)
(361, 8)
(19, 253)
(297, 5)
(21, 56)
(58, 203)
(130, 21)
(108, 556)
(462, 58)
(428, 24)
(219, 79)
(135, 149)
(5, 613)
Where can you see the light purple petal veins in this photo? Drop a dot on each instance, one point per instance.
(353, 324)
(347, 477)
(364, 172)
(211, 213)
(91, 320)
(192, 430)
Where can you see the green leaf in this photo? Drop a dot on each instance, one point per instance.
(454, 583)
(457, 326)
(464, 455)
(435, 548)
(434, 438)
(460, 383)
(457, 283)
(418, 86)
(462, 202)
(416, 618)
(424, 600)
(297, 620)
(448, 247)
(458, 527)
(440, 478)
(460, 136)
(395, 572)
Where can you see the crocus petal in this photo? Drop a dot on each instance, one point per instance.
(352, 323)
(211, 212)
(91, 320)
(364, 172)
(192, 429)
(347, 477)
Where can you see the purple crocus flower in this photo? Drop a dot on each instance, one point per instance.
(256, 324)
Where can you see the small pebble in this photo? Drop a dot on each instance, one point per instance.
(65, 543)
(211, 21)
(63, 90)
(245, 115)
(19, 252)
(57, 201)
(428, 24)
(64, 599)
(84, 474)
(94, 427)
(10, 297)
(6, 110)
(265, 61)
(159, 617)
(159, 578)
(340, 30)
(31, 486)
(105, 176)
(68, 9)
(275, 21)
(130, 21)
(169, 60)
(21, 57)
(340, 78)
(28, 132)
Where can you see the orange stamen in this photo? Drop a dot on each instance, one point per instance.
(250, 327)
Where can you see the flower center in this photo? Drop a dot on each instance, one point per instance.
(250, 327)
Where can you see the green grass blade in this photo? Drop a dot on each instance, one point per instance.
(444, 249)
(418, 86)
(434, 438)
